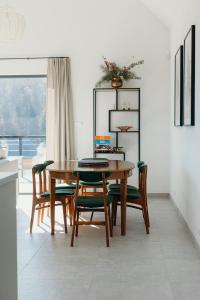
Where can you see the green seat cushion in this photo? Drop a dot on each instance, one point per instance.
(131, 194)
(62, 186)
(92, 202)
(84, 183)
(64, 192)
(116, 186)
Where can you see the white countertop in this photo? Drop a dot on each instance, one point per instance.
(9, 159)
(6, 177)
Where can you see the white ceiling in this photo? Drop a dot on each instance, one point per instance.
(168, 10)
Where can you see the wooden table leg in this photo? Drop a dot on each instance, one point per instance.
(123, 204)
(52, 204)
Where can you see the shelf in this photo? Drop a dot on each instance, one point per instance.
(113, 89)
(117, 116)
(109, 152)
(130, 131)
(125, 110)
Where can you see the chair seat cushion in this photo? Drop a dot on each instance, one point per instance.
(98, 183)
(131, 194)
(62, 186)
(59, 192)
(92, 202)
(116, 186)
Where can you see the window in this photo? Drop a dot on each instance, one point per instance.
(22, 113)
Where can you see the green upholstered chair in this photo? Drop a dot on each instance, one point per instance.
(68, 185)
(41, 197)
(90, 184)
(85, 203)
(116, 186)
(136, 198)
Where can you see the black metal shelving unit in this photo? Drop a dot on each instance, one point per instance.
(117, 133)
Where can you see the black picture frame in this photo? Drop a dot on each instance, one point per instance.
(189, 78)
(178, 88)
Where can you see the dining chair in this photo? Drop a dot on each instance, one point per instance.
(63, 185)
(136, 198)
(116, 187)
(41, 196)
(98, 203)
(91, 185)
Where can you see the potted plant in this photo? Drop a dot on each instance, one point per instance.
(116, 74)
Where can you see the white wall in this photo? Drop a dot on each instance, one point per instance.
(87, 30)
(185, 142)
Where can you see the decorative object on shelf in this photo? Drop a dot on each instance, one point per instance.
(120, 119)
(3, 152)
(178, 88)
(124, 128)
(103, 148)
(117, 149)
(102, 143)
(12, 24)
(189, 78)
(116, 82)
(116, 74)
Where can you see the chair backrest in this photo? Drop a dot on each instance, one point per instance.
(143, 179)
(91, 177)
(140, 163)
(40, 171)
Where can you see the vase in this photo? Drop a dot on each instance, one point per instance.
(116, 82)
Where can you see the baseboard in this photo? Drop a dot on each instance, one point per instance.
(158, 195)
(197, 245)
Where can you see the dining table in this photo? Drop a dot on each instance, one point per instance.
(64, 170)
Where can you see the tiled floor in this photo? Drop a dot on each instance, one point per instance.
(162, 266)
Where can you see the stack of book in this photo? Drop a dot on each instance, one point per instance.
(102, 143)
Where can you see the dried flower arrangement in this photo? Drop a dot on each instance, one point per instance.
(113, 71)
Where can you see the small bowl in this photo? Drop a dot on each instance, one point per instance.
(124, 128)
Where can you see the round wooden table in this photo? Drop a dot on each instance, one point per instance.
(119, 169)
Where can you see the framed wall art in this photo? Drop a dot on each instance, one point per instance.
(189, 78)
(178, 88)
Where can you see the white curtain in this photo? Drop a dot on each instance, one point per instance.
(59, 113)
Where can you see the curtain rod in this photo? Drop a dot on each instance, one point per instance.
(42, 57)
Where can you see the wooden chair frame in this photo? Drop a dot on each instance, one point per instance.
(106, 209)
(138, 203)
(40, 203)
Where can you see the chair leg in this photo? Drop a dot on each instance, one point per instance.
(110, 222)
(73, 228)
(114, 212)
(48, 212)
(71, 210)
(81, 190)
(77, 219)
(39, 215)
(32, 217)
(64, 215)
(42, 213)
(106, 225)
(92, 214)
(145, 216)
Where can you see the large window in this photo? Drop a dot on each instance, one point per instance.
(22, 113)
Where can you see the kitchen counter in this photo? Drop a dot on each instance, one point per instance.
(8, 234)
(6, 177)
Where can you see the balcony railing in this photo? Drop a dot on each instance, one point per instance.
(22, 145)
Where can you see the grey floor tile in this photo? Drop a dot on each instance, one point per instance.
(164, 265)
(186, 291)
